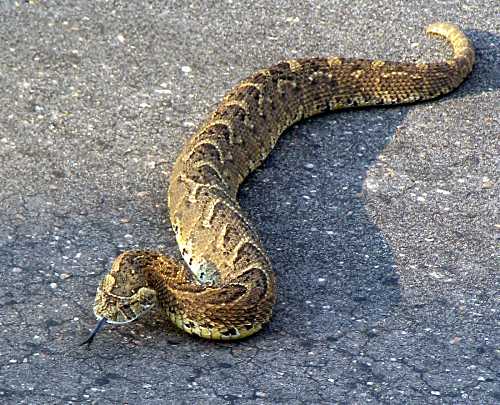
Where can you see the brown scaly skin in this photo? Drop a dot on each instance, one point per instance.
(229, 288)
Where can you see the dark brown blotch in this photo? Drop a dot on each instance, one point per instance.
(205, 174)
(223, 295)
(230, 332)
(204, 151)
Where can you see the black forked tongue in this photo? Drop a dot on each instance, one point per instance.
(97, 328)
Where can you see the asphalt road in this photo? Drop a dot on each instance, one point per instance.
(380, 223)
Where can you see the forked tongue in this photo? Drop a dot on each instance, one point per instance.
(97, 328)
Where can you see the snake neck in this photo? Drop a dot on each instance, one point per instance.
(168, 277)
(202, 309)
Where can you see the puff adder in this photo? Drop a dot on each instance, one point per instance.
(226, 288)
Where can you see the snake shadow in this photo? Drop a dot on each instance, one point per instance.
(333, 264)
(335, 269)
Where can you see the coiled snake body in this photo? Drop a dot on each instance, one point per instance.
(227, 289)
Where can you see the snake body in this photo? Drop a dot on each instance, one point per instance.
(227, 290)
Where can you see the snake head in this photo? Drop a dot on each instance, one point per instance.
(123, 294)
(111, 308)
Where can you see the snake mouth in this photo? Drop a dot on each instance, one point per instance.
(123, 314)
(119, 310)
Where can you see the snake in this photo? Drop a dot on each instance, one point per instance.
(225, 288)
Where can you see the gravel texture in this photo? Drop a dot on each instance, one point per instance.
(380, 223)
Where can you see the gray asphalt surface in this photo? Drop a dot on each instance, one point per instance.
(380, 223)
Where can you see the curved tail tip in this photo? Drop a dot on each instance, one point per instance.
(462, 46)
(444, 29)
(451, 32)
